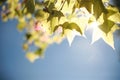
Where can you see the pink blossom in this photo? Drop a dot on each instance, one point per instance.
(39, 27)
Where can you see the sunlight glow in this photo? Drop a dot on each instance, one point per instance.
(94, 25)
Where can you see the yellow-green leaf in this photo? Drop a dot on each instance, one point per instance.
(87, 4)
(30, 5)
(97, 34)
(71, 26)
(32, 57)
(98, 8)
(40, 14)
(53, 23)
(40, 52)
(106, 26)
(76, 5)
(68, 2)
(74, 26)
(21, 26)
(115, 17)
(25, 46)
(70, 36)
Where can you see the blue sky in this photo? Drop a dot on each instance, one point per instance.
(81, 61)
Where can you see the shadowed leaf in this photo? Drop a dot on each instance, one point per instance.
(30, 5)
(98, 8)
(106, 26)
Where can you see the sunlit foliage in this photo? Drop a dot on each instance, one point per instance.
(50, 21)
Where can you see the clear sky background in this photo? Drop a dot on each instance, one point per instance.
(81, 61)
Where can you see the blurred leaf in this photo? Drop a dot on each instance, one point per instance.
(55, 13)
(4, 17)
(25, 46)
(53, 23)
(68, 2)
(40, 52)
(21, 26)
(40, 14)
(30, 5)
(31, 56)
(28, 36)
(2, 1)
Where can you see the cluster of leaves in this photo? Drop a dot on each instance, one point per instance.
(49, 21)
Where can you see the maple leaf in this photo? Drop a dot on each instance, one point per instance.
(97, 34)
(70, 34)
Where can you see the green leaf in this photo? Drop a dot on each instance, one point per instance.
(98, 8)
(58, 14)
(39, 52)
(70, 26)
(115, 17)
(111, 11)
(52, 1)
(109, 39)
(76, 5)
(30, 5)
(51, 7)
(21, 26)
(53, 23)
(25, 46)
(55, 13)
(40, 14)
(97, 34)
(65, 25)
(32, 56)
(68, 2)
(4, 17)
(106, 26)
(28, 36)
(54, 19)
(70, 36)
(87, 4)
(74, 26)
